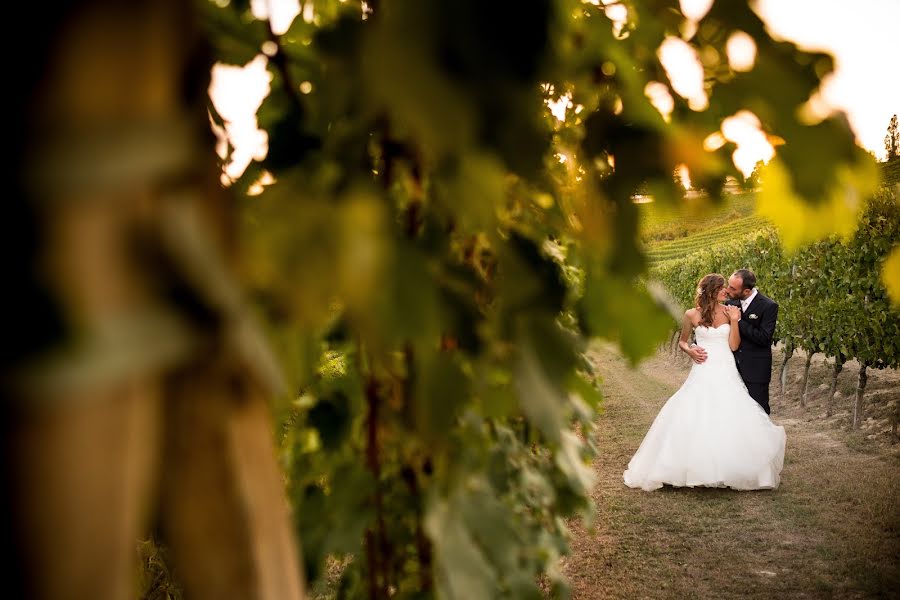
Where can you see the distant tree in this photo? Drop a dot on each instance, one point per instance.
(755, 178)
(892, 139)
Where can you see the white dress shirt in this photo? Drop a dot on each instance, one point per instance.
(745, 303)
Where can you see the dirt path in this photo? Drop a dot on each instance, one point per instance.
(832, 530)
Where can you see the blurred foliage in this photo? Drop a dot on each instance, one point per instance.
(891, 275)
(800, 223)
(438, 248)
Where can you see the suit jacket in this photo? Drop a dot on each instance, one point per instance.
(757, 327)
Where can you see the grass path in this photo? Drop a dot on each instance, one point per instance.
(832, 530)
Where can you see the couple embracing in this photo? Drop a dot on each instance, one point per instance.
(715, 430)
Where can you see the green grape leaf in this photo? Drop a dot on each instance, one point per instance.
(462, 569)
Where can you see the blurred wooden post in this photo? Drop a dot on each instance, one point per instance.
(223, 506)
(152, 398)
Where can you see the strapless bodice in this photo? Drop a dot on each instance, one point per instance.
(706, 334)
(715, 341)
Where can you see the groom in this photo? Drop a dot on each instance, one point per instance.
(757, 326)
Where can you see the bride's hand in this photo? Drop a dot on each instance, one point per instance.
(733, 313)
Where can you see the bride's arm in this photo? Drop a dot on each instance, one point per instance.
(697, 354)
(734, 337)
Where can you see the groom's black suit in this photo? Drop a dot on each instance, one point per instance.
(754, 355)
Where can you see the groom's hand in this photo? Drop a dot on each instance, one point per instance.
(697, 354)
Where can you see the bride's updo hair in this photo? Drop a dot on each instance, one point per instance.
(707, 291)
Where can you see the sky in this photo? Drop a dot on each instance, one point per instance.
(862, 35)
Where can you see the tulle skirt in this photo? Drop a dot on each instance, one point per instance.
(710, 433)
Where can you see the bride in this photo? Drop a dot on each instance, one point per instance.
(710, 432)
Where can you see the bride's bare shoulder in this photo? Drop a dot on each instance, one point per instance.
(692, 316)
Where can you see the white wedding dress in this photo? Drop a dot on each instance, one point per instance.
(710, 432)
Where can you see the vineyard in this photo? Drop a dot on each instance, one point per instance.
(661, 223)
(831, 295)
(706, 238)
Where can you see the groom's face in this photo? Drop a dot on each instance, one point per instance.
(736, 288)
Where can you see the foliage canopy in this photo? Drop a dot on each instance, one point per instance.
(437, 248)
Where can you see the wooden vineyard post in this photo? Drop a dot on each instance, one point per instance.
(146, 400)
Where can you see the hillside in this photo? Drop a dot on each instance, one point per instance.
(705, 238)
(669, 233)
(662, 223)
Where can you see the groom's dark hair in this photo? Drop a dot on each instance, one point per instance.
(748, 278)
